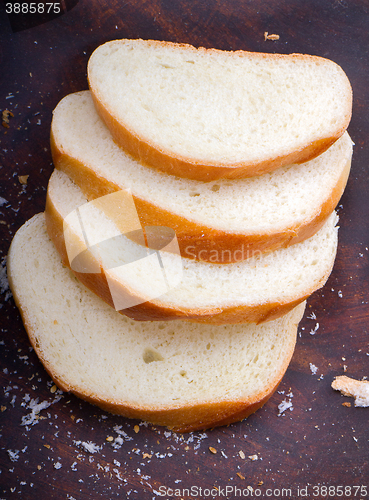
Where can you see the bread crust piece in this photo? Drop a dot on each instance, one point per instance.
(198, 241)
(157, 310)
(155, 156)
(180, 417)
(358, 389)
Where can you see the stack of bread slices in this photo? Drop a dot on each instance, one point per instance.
(190, 215)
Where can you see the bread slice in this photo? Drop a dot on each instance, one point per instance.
(187, 377)
(207, 114)
(255, 290)
(220, 221)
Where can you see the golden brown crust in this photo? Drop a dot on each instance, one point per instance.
(257, 313)
(165, 161)
(187, 418)
(198, 241)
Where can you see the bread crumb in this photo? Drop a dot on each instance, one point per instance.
(47, 446)
(88, 446)
(260, 483)
(212, 450)
(347, 404)
(23, 179)
(241, 476)
(316, 328)
(253, 457)
(136, 428)
(270, 37)
(242, 455)
(358, 389)
(3, 408)
(13, 455)
(53, 389)
(285, 405)
(109, 439)
(313, 368)
(146, 455)
(5, 118)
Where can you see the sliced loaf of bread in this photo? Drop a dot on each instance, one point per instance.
(220, 221)
(188, 376)
(254, 290)
(207, 114)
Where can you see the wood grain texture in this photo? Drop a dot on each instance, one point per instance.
(319, 442)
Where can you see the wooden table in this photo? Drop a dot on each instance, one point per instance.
(72, 450)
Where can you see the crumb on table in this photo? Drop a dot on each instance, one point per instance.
(358, 389)
(5, 117)
(23, 179)
(271, 36)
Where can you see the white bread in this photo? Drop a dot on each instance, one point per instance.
(238, 217)
(358, 389)
(189, 377)
(207, 114)
(254, 290)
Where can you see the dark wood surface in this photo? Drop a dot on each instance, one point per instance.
(319, 442)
